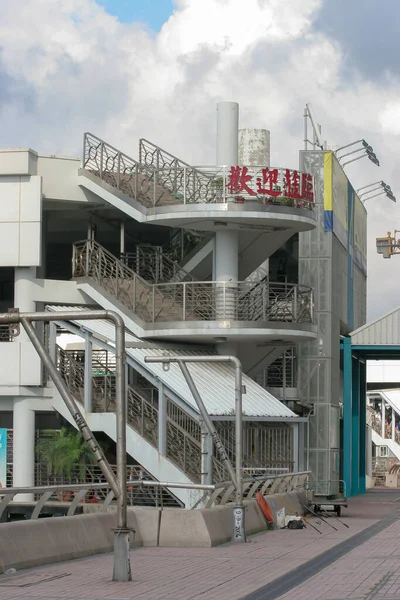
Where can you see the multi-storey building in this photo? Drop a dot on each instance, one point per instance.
(195, 259)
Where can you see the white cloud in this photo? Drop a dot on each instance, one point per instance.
(66, 66)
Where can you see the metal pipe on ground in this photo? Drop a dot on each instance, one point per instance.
(237, 474)
(122, 569)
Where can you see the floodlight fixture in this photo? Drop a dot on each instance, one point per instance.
(364, 187)
(363, 142)
(387, 193)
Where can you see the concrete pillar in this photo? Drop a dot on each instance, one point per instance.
(23, 447)
(254, 151)
(295, 428)
(254, 147)
(302, 446)
(23, 416)
(24, 278)
(383, 419)
(226, 241)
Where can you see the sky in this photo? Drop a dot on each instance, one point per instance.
(125, 69)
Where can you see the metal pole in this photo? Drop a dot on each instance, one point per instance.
(122, 569)
(71, 405)
(305, 116)
(209, 424)
(237, 477)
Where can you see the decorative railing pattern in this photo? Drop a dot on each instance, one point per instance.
(160, 179)
(186, 183)
(192, 300)
(160, 492)
(224, 493)
(265, 446)
(183, 448)
(155, 266)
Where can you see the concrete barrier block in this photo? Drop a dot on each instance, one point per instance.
(183, 528)
(145, 522)
(219, 524)
(28, 544)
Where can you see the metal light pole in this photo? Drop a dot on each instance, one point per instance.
(122, 568)
(239, 534)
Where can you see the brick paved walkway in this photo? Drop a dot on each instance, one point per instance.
(232, 571)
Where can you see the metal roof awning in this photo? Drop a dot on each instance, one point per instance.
(215, 382)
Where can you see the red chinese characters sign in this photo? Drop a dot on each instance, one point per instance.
(271, 182)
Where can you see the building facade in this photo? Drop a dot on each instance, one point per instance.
(234, 259)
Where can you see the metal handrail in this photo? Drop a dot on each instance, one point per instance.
(183, 449)
(192, 300)
(155, 266)
(214, 495)
(161, 179)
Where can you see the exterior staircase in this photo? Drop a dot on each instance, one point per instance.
(157, 179)
(183, 446)
(267, 447)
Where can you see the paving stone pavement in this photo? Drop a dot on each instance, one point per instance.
(230, 572)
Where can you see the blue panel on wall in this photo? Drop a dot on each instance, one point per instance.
(328, 220)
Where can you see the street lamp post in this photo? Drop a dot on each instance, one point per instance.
(239, 534)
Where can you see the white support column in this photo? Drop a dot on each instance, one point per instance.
(23, 447)
(295, 427)
(227, 241)
(393, 425)
(88, 375)
(302, 432)
(53, 341)
(162, 420)
(383, 417)
(23, 416)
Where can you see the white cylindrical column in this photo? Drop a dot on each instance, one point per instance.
(255, 151)
(23, 447)
(23, 416)
(254, 147)
(226, 256)
(226, 241)
(24, 279)
(227, 133)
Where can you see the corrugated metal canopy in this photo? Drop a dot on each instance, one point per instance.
(384, 331)
(215, 382)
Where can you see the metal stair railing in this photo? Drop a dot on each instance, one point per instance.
(192, 300)
(183, 447)
(142, 298)
(185, 182)
(138, 181)
(155, 266)
(161, 179)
